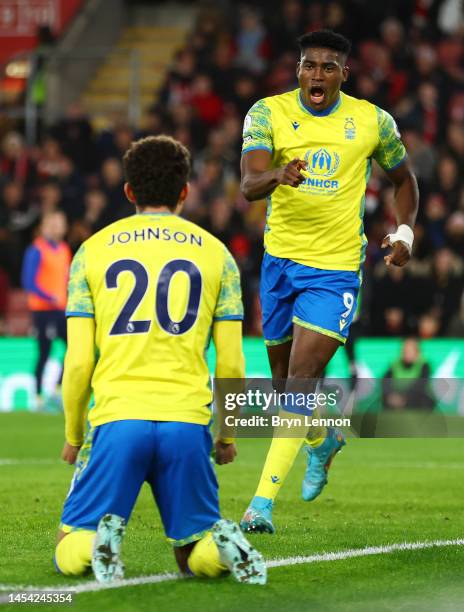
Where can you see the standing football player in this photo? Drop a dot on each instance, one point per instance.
(145, 293)
(309, 153)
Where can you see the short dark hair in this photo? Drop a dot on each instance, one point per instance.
(157, 168)
(325, 39)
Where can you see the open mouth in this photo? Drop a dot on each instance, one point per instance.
(316, 95)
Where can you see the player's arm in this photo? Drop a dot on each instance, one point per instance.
(79, 365)
(391, 156)
(230, 365)
(80, 356)
(29, 273)
(259, 179)
(406, 205)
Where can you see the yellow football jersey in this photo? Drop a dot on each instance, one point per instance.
(154, 283)
(320, 223)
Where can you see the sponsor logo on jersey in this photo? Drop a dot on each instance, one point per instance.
(322, 162)
(295, 125)
(321, 166)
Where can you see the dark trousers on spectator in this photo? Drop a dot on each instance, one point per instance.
(49, 324)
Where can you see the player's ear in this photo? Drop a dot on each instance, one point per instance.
(346, 73)
(129, 193)
(182, 197)
(298, 66)
(184, 193)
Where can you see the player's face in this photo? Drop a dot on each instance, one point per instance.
(321, 73)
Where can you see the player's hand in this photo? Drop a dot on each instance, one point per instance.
(225, 453)
(69, 453)
(400, 254)
(290, 174)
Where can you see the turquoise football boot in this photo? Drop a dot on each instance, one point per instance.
(106, 564)
(258, 516)
(245, 563)
(319, 460)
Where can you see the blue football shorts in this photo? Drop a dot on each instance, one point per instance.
(324, 301)
(172, 457)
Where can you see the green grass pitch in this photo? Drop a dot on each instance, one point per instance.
(381, 492)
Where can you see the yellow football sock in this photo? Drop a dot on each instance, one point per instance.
(279, 460)
(73, 553)
(204, 560)
(316, 433)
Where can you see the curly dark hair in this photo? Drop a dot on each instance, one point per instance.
(157, 168)
(325, 39)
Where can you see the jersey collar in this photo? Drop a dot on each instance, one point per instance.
(323, 113)
(164, 213)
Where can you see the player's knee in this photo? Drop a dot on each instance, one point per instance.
(73, 553)
(204, 560)
(310, 367)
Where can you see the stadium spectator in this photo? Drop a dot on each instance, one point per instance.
(50, 196)
(112, 184)
(75, 134)
(177, 86)
(15, 161)
(16, 223)
(244, 92)
(72, 187)
(207, 104)
(405, 385)
(114, 143)
(51, 161)
(253, 47)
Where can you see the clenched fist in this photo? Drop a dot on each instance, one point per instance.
(400, 254)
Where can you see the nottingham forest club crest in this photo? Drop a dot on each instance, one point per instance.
(350, 128)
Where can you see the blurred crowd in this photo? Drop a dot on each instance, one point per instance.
(407, 57)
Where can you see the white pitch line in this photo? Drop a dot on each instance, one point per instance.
(88, 587)
(364, 552)
(4, 462)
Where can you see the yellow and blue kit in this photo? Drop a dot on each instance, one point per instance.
(155, 283)
(319, 225)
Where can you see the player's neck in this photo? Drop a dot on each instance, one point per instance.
(154, 209)
(326, 109)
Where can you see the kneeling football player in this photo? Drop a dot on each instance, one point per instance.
(145, 295)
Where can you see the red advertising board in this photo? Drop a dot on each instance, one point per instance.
(19, 20)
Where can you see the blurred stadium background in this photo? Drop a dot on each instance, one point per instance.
(79, 80)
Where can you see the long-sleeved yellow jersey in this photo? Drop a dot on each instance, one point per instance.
(320, 224)
(154, 283)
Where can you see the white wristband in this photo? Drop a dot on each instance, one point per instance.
(405, 234)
